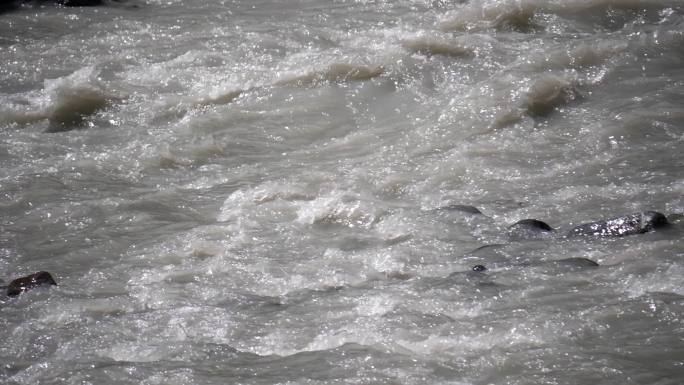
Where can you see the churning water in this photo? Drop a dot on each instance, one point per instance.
(262, 192)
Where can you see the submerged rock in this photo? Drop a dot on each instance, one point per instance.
(28, 282)
(637, 223)
(467, 209)
(576, 262)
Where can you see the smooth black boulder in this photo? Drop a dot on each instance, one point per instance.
(529, 228)
(28, 282)
(479, 268)
(637, 223)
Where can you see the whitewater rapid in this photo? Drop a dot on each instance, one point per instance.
(263, 192)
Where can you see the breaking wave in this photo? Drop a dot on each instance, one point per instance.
(65, 103)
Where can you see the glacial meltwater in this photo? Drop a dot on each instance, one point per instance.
(321, 192)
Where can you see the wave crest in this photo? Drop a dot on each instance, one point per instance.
(435, 46)
(510, 15)
(64, 102)
(547, 93)
(335, 73)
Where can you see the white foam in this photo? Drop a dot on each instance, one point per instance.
(241, 202)
(340, 207)
(667, 280)
(163, 328)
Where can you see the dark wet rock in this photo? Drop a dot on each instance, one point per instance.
(479, 268)
(462, 208)
(533, 224)
(637, 223)
(28, 282)
(8, 5)
(529, 229)
(11, 5)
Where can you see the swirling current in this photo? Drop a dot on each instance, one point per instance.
(320, 192)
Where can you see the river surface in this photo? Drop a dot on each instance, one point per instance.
(262, 192)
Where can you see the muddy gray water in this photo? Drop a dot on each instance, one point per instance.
(248, 192)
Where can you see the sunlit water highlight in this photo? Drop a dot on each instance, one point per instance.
(257, 192)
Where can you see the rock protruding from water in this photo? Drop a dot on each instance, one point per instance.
(479, 268)
(529, 229)
(637, 223)
(20, 285)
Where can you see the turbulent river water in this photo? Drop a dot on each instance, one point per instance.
(264, 192)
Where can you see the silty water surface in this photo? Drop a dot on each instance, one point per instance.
(248, 192)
